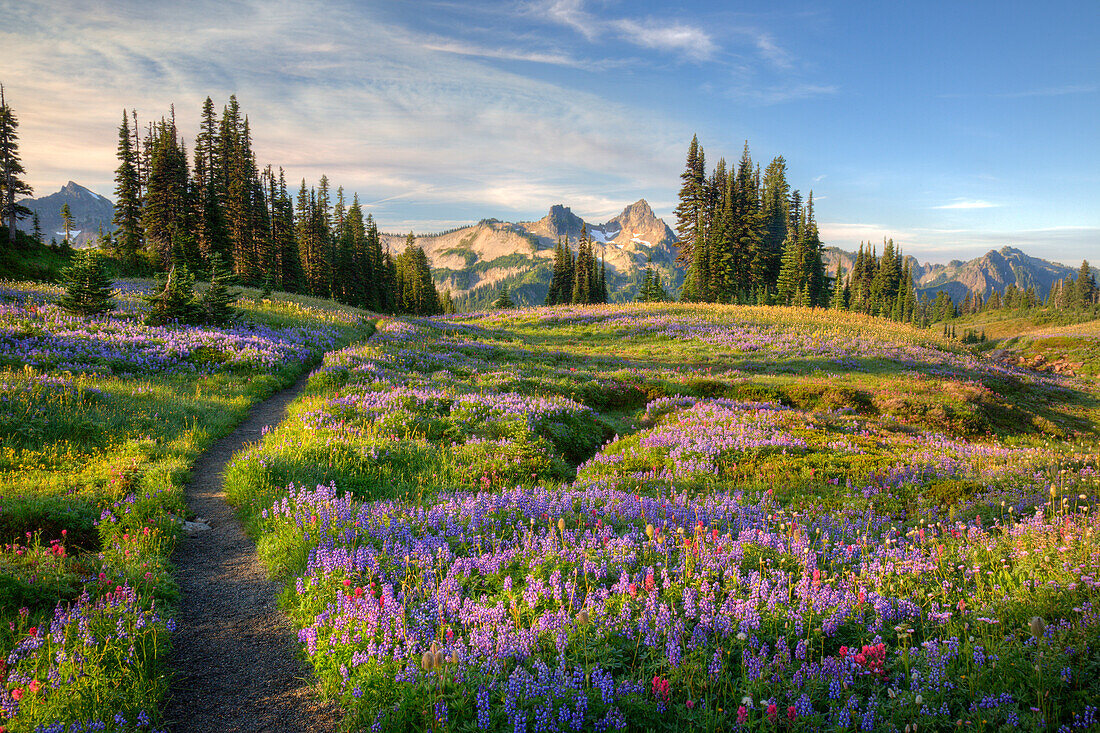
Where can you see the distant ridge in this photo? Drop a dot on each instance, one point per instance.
(474, 261)
(90, 211)
(992, 272)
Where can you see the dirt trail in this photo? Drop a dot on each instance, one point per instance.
(234, 654)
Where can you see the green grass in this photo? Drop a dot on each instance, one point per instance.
(93, 468)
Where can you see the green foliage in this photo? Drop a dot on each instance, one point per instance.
(87, 286)
(415, 290)
(176, 300)
(503, 300)
(215, 304)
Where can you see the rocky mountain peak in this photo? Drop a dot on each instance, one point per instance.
(561, 221)
(637, 216)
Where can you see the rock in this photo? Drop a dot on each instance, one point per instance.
(193, 527)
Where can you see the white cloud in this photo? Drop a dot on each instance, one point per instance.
(329, 89)
(967, 204)
(690, 41)
(505, 54)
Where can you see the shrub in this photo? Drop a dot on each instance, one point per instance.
(216, 302)
(87, 286)
(176, 300)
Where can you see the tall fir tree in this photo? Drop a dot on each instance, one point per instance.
(690, 212)
(209, 179)
(11, 170)
(165, 215)
(87, 285)
(128, 204)
(751, 259)
(583, 270)
(774, 215)
(1085, 285)
(67, 222)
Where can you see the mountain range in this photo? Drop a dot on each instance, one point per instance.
(993, 271)
(89, 210)
(473, 262)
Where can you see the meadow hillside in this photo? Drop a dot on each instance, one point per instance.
(101, 419)
(685, 517)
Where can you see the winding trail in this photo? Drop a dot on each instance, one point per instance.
(235, 655)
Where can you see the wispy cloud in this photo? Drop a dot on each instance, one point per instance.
(967, 204)
(506, 54)
(404, 123)
(692, 42)
(772, 51)
(689, 41)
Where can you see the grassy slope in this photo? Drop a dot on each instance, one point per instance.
(121, 444)
(881, 404)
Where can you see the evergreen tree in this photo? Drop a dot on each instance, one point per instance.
(887, 278)
(792, 275)
(216, 303)
(697, 282)
(381, 282)
(503, 300)
(719, 258)
(561, 278)
(67, 222)
(817, 292)
(583, 270)
(166, 202)
(416, 293)
(36, 228)
(942, 308)
(1085, 286)
(176, 299)
(774, 216)
(11, 170)
(127, 198)
(690, 211)
(838, 301)
(209, 187)
(87, 286)
(751, 260)
(447, 302)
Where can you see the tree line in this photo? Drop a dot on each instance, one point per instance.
(1067, 294)
(579, 278)
(172, 212)
(745, 236)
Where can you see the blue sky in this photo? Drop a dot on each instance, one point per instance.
(952, 127)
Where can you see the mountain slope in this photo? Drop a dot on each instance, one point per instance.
(475, 261)
(993, 271)
(90, 211)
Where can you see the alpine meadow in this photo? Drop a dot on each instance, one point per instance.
(560, 406)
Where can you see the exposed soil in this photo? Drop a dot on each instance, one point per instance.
(235, 655)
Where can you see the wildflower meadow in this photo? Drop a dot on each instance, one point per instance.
(685, 518)
(100, 420)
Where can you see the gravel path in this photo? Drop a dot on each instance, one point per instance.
(235, 655)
